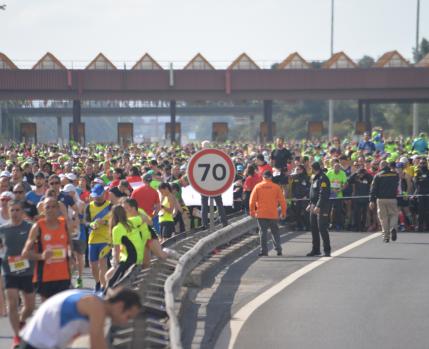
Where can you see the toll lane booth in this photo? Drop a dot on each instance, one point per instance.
(28, 132)
(178, 131)
(125, 133)
(81, 133)
(220, 131)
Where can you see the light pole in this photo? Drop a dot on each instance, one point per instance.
(415, 105)
(331, 102)
(3, 7)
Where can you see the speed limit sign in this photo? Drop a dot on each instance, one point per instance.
(211, 172)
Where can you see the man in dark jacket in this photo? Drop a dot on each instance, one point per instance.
(384, 190)
(319, 210)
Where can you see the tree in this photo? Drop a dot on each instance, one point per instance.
(366, 62)
(424, 50)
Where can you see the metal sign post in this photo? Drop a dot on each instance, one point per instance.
(212, 225)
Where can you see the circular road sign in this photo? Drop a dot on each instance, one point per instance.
(211, 172)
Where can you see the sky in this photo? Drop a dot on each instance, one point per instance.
(174, 31)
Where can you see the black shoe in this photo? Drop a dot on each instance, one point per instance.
(394, 235)
(279, 253)
(327, 254)
(262, 254)
(312, 254)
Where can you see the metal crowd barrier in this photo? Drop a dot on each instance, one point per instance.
(189, 261)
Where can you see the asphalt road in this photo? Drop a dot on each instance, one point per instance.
(374, 296)
(6, 333)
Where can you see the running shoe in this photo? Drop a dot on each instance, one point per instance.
(79, 283)
(171, 253)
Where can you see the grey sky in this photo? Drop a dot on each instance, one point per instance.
(173, 30)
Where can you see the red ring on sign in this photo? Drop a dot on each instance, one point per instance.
(228, 182)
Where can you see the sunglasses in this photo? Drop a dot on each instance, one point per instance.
(54, 183)
(4, 199)
(18, 192)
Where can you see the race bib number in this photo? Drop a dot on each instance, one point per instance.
(58, 254)
(336, 185)
(17, 264)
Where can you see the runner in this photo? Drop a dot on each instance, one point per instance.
(74, 313)
(17, 271)
(98, 215)
(128, 242)
(53, 249)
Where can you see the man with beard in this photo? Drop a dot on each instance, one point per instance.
(34, 196)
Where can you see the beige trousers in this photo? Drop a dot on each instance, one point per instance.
(387, 210)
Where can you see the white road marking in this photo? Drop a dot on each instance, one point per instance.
(231, 331)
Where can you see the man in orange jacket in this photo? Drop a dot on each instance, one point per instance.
(265, 200)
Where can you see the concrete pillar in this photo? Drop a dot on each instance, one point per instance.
(77, 113)
(360, 111)
(268, 118)
(60, 130)
(367, 116)
(173, 121)
(331, 119)
(415, 119)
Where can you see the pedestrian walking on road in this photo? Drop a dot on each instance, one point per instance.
(265, 200)
(319, 210)
(384, 190)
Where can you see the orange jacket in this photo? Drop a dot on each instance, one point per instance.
(265, 200)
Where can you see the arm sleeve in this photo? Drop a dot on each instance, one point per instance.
(252, 201)
(323, 193)
(373, 190)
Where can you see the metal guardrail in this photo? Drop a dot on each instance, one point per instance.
(189, 261)
(151, 328)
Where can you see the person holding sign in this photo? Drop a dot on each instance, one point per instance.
(17, 271)
(53, 249)
(265, 200)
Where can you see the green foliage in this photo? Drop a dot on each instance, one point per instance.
(424, 50)
(366, 62)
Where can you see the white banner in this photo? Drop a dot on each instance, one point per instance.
(192, 198)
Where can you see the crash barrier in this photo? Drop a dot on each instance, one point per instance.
(189, 261)
(151, 328)
(405, 196)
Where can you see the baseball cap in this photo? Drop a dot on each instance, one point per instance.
(98, 181)
(403, 160)
(69, 188)
(71, 176)
(97, 191)
(7, 195)
(5, 174)
(147, 177)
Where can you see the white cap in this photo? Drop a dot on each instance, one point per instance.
(98, 181)
(69, 188)
(7, 194)
(5, 174)
(62, 176)
(71, 176)
(205, 144)
(404, 160)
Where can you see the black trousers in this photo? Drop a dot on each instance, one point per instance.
(319, 227)
(337, 213)
(423, 205)
(300, 214)
(205, 209)
(359, 214)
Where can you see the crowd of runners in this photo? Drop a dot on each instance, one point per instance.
(109, 207)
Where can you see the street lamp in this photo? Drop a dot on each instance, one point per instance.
(331, 102)
(3, 7)
(415, 105)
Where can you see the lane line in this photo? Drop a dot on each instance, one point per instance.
(230, 332)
